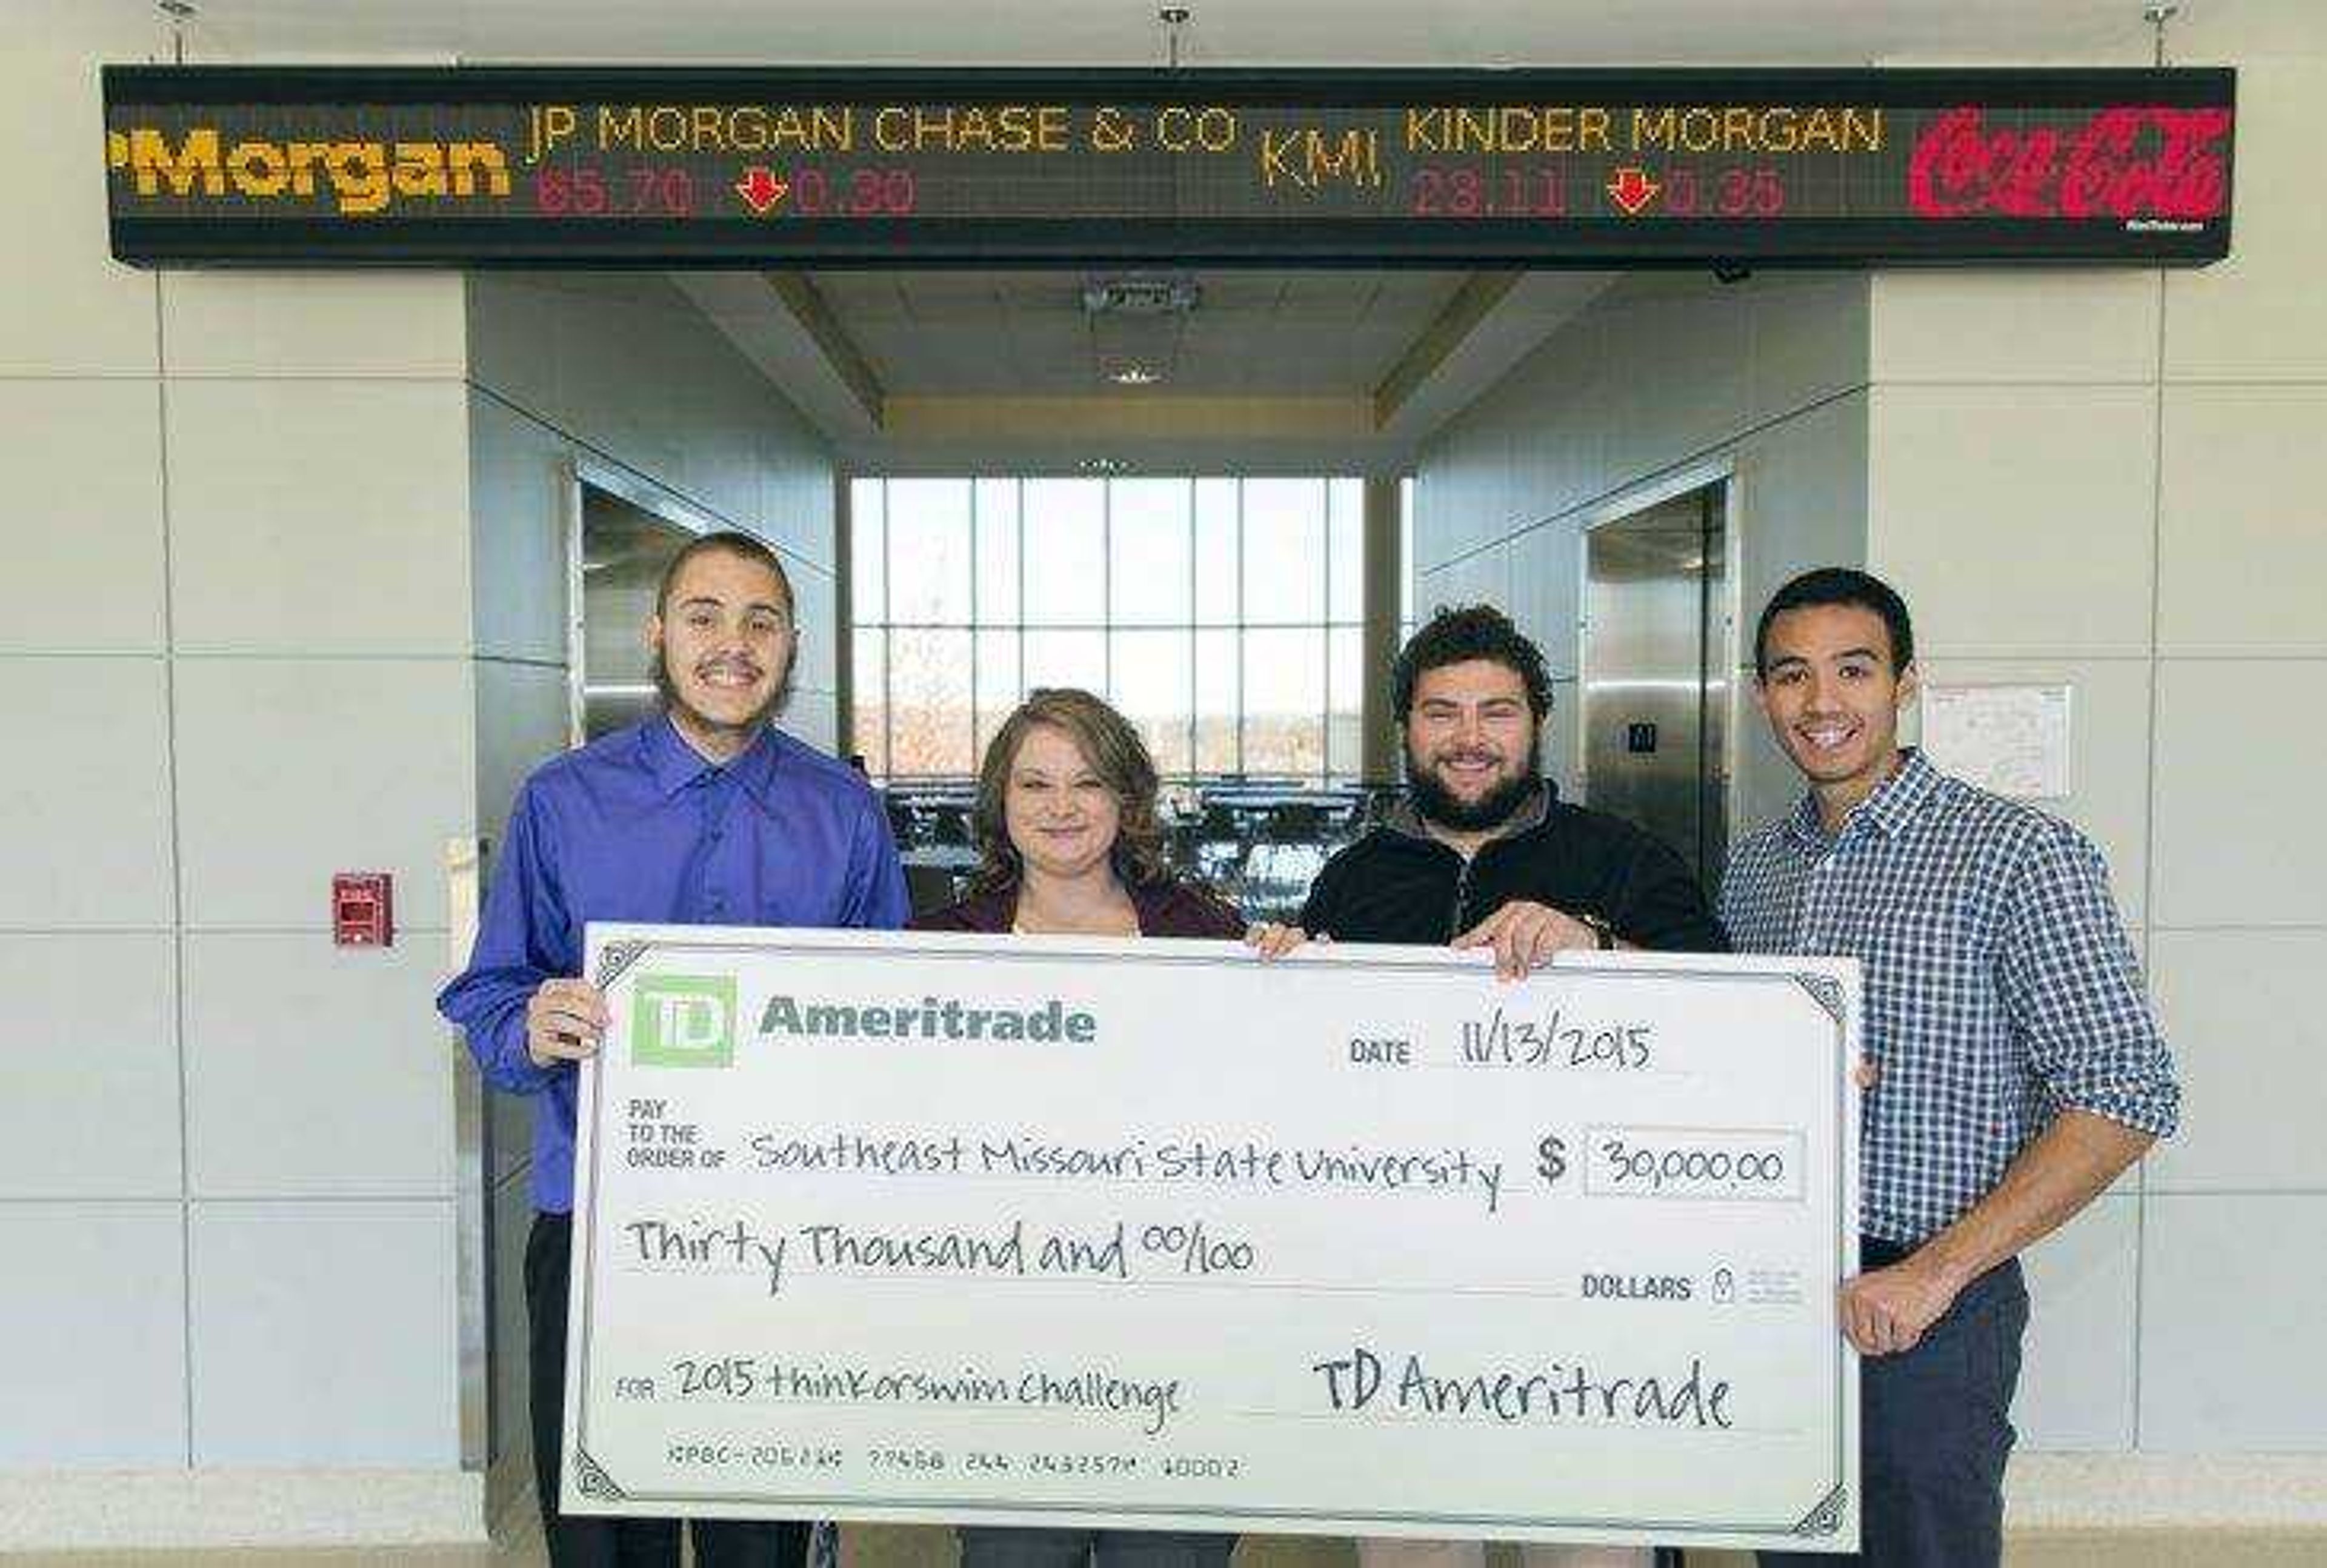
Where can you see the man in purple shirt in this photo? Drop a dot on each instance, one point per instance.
(703, 815)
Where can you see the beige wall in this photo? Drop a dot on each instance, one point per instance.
(234, 657)
(2118, 481)
(285, 595)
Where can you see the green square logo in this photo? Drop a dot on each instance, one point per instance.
(683, 1021)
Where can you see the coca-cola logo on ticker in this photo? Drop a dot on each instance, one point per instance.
(2128, 163)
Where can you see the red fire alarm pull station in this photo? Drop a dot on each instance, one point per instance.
(363, 908)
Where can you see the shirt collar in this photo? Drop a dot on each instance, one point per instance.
(675, 764)
(1403, 818)
(1887, 811)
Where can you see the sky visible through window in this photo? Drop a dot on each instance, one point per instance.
(1221, 615)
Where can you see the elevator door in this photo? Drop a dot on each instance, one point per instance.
(1657, 653)
(622, 549)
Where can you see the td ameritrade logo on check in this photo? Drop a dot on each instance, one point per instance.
(683, 1021)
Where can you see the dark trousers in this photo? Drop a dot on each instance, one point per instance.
(994, 1546)
(606, 1543)
(1935, 1430)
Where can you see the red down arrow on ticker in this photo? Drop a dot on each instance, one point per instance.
(759, 190)
(1633, 191)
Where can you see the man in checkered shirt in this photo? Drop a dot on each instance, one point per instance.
(2016, 1069)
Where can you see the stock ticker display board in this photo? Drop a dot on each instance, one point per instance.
(548, 166)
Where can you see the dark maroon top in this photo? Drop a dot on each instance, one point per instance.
(1166, 908)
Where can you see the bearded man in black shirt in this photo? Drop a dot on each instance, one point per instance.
(1483, 852)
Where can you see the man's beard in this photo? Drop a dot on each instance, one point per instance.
(1491, 810)
(658, 668)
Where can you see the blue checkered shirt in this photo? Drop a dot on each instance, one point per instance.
(2000, 986)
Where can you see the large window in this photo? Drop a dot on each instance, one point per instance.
(1220, 615)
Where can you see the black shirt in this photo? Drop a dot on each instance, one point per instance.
(1398, 884)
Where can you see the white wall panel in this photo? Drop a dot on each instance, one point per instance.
(290, 770)
(319, 516)
(2260, 315)
(1997, 328)
(2077, 1363)
(316, 1072)
(2242, 547)
(89, 1035)
(324, 1335)
(67, 308)
(86, 800)
(2233, 1293)
(82, 534)
(2238, 784)
(2017, 522)
(2241, 1012)
(276, 324)
(92, 1339)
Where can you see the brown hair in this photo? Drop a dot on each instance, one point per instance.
(727, 542)
(1114, 751)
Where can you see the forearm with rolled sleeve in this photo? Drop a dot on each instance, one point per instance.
(2076, 993)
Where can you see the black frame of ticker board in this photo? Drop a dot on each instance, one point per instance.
(1386, 239)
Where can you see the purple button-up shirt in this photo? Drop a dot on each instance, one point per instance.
(637, 827)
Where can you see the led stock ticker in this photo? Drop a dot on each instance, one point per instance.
(542, 166)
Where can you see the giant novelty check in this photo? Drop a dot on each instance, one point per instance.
(1047, 1231)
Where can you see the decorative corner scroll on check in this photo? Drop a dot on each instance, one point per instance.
(617, 958)
(593, 1481)
(1824, 989)
(1827, 1517)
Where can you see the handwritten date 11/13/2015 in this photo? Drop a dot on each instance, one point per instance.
(1553, 1043)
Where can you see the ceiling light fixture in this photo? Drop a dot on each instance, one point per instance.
(1136, 325)
(1141, 296)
